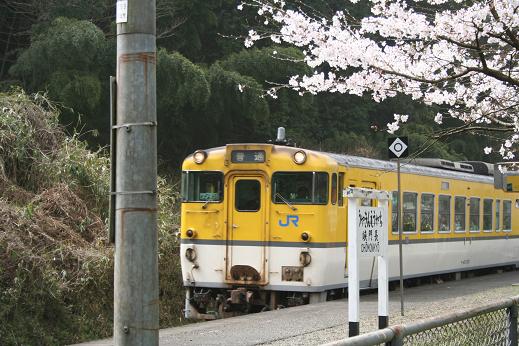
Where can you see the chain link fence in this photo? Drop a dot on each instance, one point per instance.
(490, 325)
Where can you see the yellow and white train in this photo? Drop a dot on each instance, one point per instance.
(265, 225)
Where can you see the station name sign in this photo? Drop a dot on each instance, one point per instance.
(372, 231)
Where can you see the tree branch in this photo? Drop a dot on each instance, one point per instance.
(509, 33)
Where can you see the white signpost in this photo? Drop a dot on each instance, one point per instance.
(367, 237)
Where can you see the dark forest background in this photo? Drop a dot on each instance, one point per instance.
(67, 49)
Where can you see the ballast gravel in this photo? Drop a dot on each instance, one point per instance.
(322, 323)
(419, 303)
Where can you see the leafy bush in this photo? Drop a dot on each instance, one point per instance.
(56, 271)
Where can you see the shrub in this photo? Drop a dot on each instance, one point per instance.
(56, 270)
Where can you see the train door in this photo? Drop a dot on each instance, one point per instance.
(246, 236)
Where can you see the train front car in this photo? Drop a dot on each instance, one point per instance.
(259, 229)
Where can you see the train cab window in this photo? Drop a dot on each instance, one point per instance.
(427, 213)
(410, 212)
(247, 195)
(202, 186)
(474, 214)
(444, 213)
(498, 215)
(507, 216)
(334, 188)
(340, 198)
(300, 187)
(487, 215)
(459, 214)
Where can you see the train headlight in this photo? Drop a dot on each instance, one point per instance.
(305, 236)
(199, 156)
(300, 157)
(190, 254)
(191, 233)
(305, 258)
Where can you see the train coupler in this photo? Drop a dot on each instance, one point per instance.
(240, 299)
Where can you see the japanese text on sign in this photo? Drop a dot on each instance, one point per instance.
(372, 228)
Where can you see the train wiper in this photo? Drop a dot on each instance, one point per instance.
(285, 201)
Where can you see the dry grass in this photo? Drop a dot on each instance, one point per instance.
(56, 271)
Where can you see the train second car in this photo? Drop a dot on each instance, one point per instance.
(264, 225)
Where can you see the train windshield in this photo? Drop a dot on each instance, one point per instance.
(202, 186)
(300, 187)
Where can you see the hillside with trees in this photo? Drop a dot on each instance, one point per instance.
(67, 49)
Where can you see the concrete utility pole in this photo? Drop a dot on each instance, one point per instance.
(136, 291)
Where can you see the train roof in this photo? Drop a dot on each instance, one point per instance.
(405, 167)
(382, 165)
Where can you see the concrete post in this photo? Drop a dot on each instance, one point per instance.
(512, 315)
(383, 277)
(136, 291)
(353, 270)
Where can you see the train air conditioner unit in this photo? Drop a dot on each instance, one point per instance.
(444, 164)
(506, 176)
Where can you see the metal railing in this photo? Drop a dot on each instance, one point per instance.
(492, 324)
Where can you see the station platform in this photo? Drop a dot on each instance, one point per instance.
(326, 322)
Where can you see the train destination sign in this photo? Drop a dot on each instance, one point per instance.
(248, 156)
(372, 231)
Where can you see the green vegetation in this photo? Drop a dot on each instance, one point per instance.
(68, 50)
(56, 271)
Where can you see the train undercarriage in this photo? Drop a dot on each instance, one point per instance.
(215, 303)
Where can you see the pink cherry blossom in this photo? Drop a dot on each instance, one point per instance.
(462, 56)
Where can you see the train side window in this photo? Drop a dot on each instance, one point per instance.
(498, 215)
(334, 188)
(394, 211)
(340, 198)
(444, 213)
(507, 216)
(410, 212)
(474, 214)
(366, 202)
(487, 215)
(460, 209)
(427, 213)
